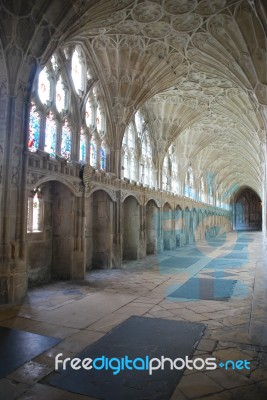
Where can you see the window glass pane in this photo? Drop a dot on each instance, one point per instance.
(66, 141)
(44, 86)
(60, 95)
(88, 113)
(50, 135)
(126, 172)
(103, 158)
(131, 138)
(93, 154)
(98, 120)
(82, 146)
(77, 71)
(138, 122)
(34, 129)
(29, 224)
(36, 214)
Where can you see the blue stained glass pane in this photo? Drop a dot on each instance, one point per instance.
(50, 136)
(34, 129)
(82, 148)
(66, 142)
(103, 158)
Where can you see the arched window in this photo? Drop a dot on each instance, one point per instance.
(50, 135)
(66, 141)
(34, 128)
(44, 86)
(93, 153)
(52, 122)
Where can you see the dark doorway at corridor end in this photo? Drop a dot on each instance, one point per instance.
(247, 211)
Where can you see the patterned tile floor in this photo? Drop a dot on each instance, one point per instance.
(80, 313)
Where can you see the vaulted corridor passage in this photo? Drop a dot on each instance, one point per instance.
(221, 283)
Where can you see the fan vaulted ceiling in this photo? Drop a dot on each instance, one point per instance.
(197, 70)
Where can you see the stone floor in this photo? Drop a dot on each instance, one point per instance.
(81, 313)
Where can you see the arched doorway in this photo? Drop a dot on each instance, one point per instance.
(247, 211)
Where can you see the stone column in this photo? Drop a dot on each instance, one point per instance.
(78, 265)
(117, 232)
(142, 235)
(13, 196)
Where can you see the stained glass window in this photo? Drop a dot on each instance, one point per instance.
(50, 135)
(93, 153)
(82, 146)
(66, 141)
(34, 129)
(103, 157)
(44, 86)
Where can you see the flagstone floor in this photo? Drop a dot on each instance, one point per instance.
(82, 312)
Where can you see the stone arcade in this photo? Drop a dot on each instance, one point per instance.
(169, 111)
